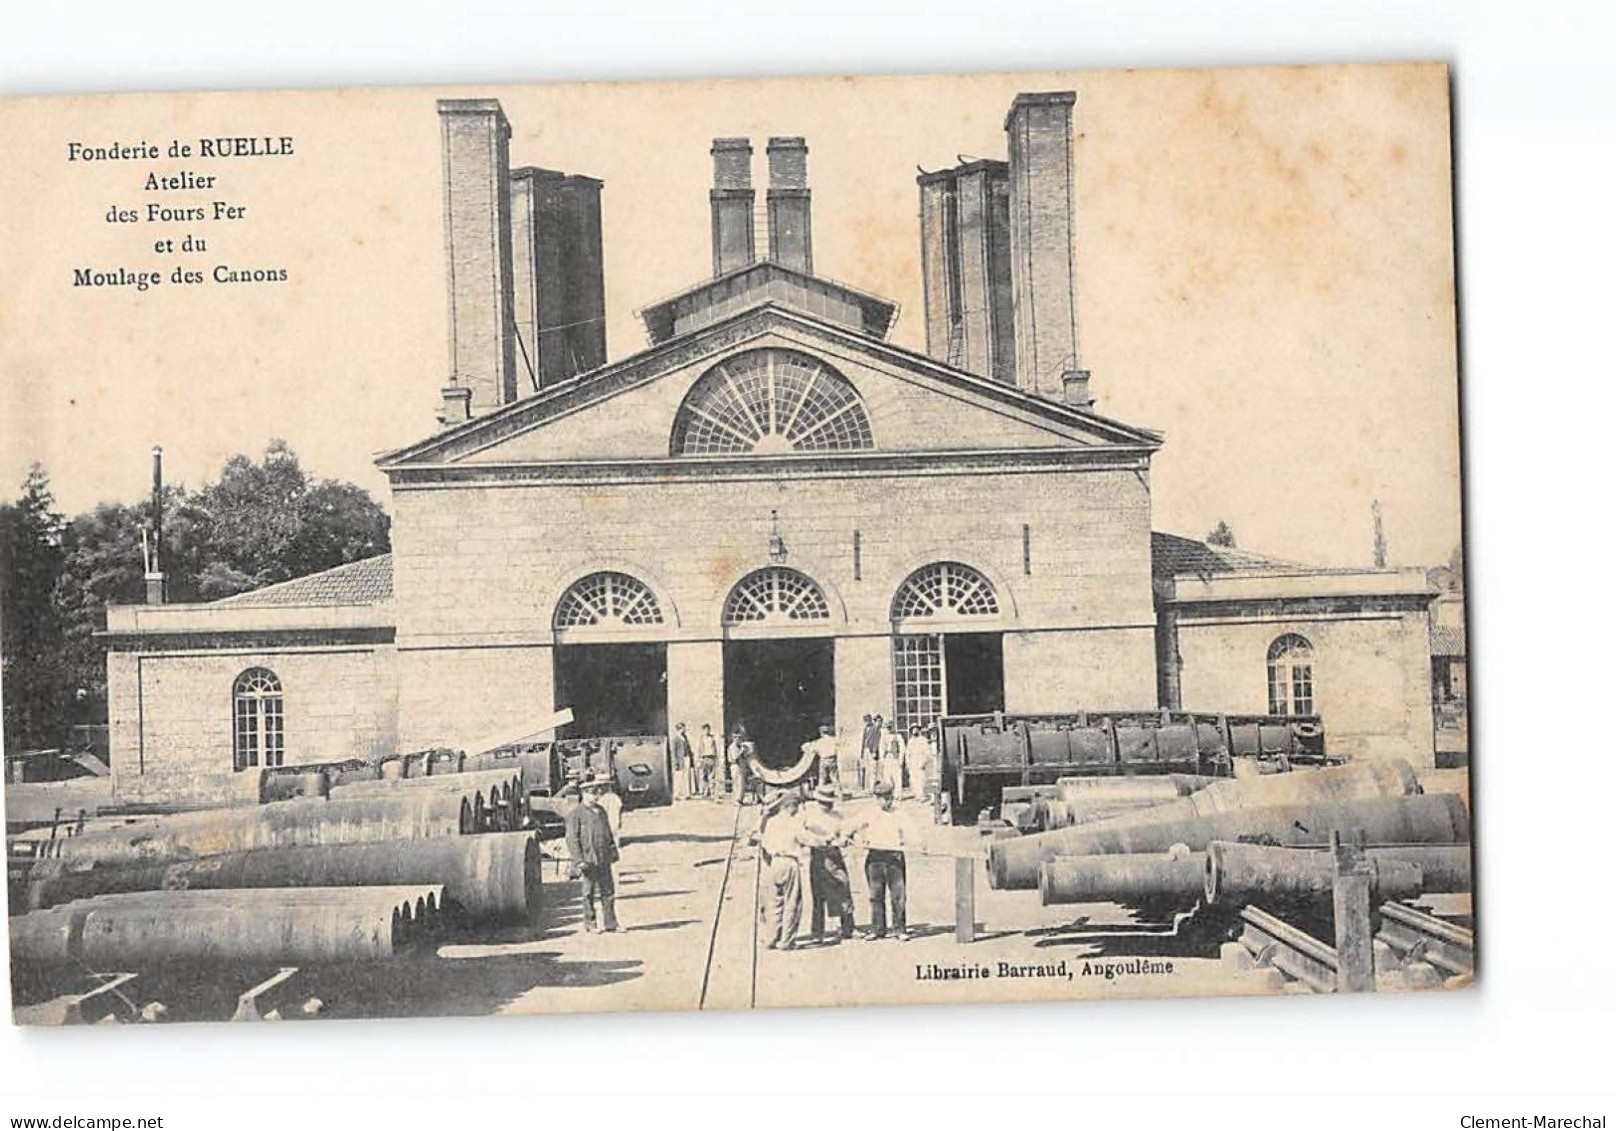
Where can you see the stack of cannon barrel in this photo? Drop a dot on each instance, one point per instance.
(361, 860)
(1185, 838)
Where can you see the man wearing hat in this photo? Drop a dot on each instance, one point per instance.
(781, 840)
(827, 871)
(593, 849)
(884, 866)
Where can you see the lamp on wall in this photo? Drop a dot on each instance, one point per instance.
(777, 544)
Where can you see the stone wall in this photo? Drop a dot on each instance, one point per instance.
(172, 711)
(1371, 676)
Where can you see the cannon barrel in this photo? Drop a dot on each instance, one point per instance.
(496, 876)
(1442, 819)
(1238, 872)
(267, 925)
(1230, 872)
(1165, 787)
(278, 824)
(1132, 879)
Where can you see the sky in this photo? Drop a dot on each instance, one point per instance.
(1265, 272)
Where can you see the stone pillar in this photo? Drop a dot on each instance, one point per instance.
(790, 217)
(477, 228)
(696, 686)
(863, 681)
(1043, 274)
(734, 244)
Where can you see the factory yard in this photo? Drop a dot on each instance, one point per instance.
(435, 895)
(691, 903)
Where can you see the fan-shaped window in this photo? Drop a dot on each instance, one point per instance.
(1290, 676)
(945, 589)
(771, 402)
(607, 600)
(260, 719)
(775, 594)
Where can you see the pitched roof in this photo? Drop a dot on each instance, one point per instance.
(365, 582)
(535, 409)
(1172, 554)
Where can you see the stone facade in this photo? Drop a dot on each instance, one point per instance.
(520, 512)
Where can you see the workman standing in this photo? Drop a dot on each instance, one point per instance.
(707, 760)
(684, 763)
(827, 870)
(781, 840)
(740, 754)
(593, 849)
(885, 867)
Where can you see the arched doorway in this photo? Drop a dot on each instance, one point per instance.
(779, 662)
(614, 679)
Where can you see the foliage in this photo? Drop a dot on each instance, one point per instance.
(259, 523)
(1221, 535)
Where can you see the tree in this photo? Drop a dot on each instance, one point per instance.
(258, 524)
(38, 689)
(1221, 535)
(267, 522)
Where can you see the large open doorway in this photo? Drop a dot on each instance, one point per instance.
(782, 691)
(973, 663)
(613, 689)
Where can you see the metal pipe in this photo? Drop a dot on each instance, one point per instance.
(1442, 819)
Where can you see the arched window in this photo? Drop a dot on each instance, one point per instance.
(607, 600)
(771, 402)
(946, 589)
(260, 719)
(775, 594)
(1290, 676)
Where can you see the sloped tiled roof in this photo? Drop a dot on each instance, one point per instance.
(1171, 554)
(366, 582)
(1447, 640)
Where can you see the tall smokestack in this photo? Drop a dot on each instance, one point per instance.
(790, 219)
(477, 228)
(1043, 276)
(965, 262)
(156, 583)
(734, 245)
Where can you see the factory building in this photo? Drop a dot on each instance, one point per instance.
(771, 515)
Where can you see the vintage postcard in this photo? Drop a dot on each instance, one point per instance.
(726, 545)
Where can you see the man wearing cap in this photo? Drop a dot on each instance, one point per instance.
(781, 840)
(593, 849)
(884, 866)
(827, 870)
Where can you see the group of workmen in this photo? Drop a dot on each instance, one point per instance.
(885, 755)
(908, 763)
(794, 833)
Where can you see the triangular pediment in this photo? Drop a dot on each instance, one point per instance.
(625, 412)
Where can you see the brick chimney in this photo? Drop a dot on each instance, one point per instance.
(790, 220)
(734, 245)
(477, 229)
(558, 276)
(1042, 271)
